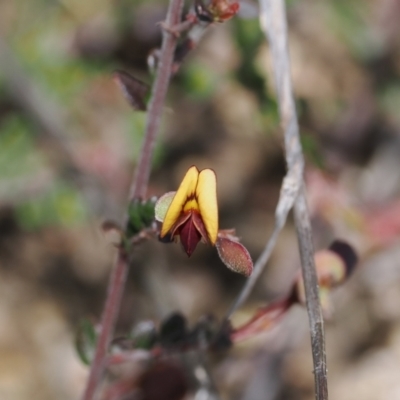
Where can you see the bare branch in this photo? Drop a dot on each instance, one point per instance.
(273, 23)
(304, 236)
(158, 94)
(289, 190)
(138, 190)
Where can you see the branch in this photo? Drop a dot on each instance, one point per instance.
(273, 23)
(156, 104)
(138, 190)
(304, 237)
(287, 197)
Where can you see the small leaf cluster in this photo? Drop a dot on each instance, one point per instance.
(140, 216)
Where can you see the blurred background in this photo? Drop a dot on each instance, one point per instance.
(68, 147)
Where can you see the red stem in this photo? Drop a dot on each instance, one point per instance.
(138, 190)
(108, 321)
(156, 104)
(264, 319)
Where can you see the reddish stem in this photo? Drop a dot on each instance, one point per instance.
(108, 321)
(158, 94)
(138, 190)
(264, 319)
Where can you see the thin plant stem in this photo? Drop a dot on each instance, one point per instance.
(286, 200)
(273, 23)
(108, 321)
(263, 319)
(316, 321)
(138, 190)
(156, 104)
(258, 269)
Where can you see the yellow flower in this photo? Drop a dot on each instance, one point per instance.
(193, 212)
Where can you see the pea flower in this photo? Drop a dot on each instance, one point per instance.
(193, 212)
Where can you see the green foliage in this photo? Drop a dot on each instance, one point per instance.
(198, 81)
(18, 158)
(144, 335)
(61, 204)
(43, 47)
(311, 150)
(85, 341)
(389, 100)
(249, 38)
(140, 216)
(348, 19)
(36, 203)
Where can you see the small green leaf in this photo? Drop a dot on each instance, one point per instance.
(144, 335)
(141, 215)
(162, 205)
(85, 341)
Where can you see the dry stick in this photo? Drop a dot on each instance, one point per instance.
(316, 321)
(287, 197)
(293, 179)
(138, 190)
(273, 22)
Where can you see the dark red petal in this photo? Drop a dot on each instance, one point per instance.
(199, 224)
(179, 223)
(190, 236)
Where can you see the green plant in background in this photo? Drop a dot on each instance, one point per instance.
(62, 204)
(42, 199)
(311, 150)
(19, 157)
(198, 82)
(249, 39)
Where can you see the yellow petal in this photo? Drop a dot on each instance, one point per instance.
(206, 193)
(186, 190)
(191, 204)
